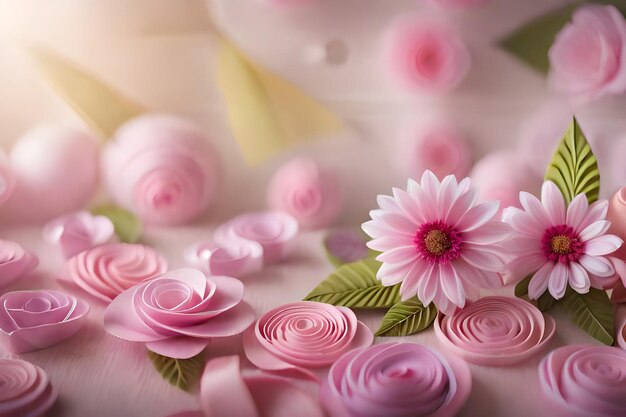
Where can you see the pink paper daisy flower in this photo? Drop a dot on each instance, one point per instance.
(438, 241)
(560, 244)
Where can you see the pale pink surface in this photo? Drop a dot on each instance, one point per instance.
(234, 258)
(162, 168)
(459, 4)
(584, 381)
(33, 320)
(562, 245)
(106, 271)
(307, 191)
(438, 242)
(587, 58)
(79, 231)
(496, 331)
(443, 150)
(178, 312)
(275, 231)
(15, 262)
(7, 180)
(396, 380)
(303, 336)
(425, 55)
(25, 389)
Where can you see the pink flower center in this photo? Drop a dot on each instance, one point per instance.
(438, 242)
(561, 244)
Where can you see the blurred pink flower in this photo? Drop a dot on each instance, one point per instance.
(178, 312)
(459, 4)
(438, 242)
(7, 180)
(587, 57)
(234, 258)
(560, 244)
(308, 192)
(162, 168)
(426, 55)
(25, 389)
(78, 231)
(286, 3)
(15, 262)
(443, 150)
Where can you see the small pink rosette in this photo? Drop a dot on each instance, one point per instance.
(15, 262)
(25, 389)
(34, 320)
(234, 258)
(178, 312)
(77, 232)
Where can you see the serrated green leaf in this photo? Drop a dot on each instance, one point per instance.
(574, 168)
(127, 225)
(182, 373)
(543, 303)
(406, 318)
(355, 285)
(592, 312)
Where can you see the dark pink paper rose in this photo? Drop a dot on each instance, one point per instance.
(162, 168)
(25, 389)
(178, 312)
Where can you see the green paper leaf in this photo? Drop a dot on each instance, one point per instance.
(543, 303)
(592, 312)
(574, 168)
(406, 318)
(127, 225)
(355, 285)
(182, 373)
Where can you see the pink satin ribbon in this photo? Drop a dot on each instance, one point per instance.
(495, 331)
(25, 389)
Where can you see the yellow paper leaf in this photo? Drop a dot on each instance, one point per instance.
(268, 114)
(102, 108)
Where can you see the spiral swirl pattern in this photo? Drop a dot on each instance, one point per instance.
(25, 389)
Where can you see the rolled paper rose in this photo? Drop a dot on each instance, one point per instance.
(14, 262)
(177, 313)
(346, 245)
(587, 57)
(303, 336)
(443, 150)
(620, 325)
(25, 390)
(459, 4)
(308, 192)
(78, 231)
(106, 271)
(162, 168)
(34, 320)
(396, 380)
(584, 381)
(7, 180)
(426, 55)
(273, 230)
(234, 258)
(496, 331)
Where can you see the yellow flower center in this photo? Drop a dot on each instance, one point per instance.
(437, 242)
(561, 244)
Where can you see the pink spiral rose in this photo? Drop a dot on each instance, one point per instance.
(396, 380)
(588, 53)
(7, 180)
(584, 381)
(162, 168)
(106, 271)
(459, 4)
(273, 230)
(177, 313)
(33, 320)
(304, 335)
(25, 389)
(443, 150)
(308, 192)
(495, 330)
(234, 258)
(78, 231)
(14, 262)
(426, 55)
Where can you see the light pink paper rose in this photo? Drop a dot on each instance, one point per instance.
(587, 57)
(226, 390)
(15, 262)
(275, 231)
(25, 389)
(441, 149)
(177, 313)
(7, 180)
(77, 232)
(235, 258)
(162, 168)
(303, 336)
(396, 380)
(426, 55)
(106, 271)
(34, 320)
(308, 192)
(459, 4)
